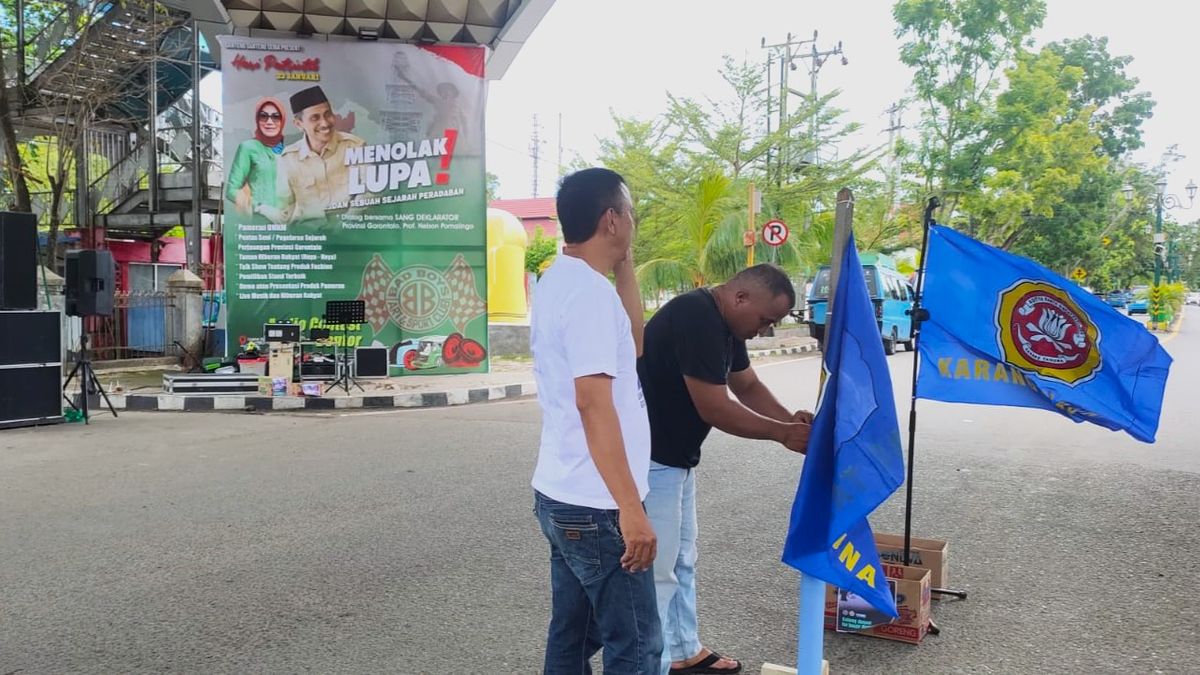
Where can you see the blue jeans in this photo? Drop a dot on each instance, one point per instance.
(595, 603)
(671, 506)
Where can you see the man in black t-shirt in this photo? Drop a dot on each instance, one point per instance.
(694, 357)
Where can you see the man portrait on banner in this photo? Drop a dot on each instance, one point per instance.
(312, 173)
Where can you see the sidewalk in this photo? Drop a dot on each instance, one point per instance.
(508, 379)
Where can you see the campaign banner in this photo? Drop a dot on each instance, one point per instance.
(355, 170)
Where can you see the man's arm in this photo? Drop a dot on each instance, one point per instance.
(602, 429)
(751, 391)
(631, 299)
(715, 406)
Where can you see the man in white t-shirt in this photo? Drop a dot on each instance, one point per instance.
(593, 464)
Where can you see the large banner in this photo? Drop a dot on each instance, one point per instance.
(355, 170)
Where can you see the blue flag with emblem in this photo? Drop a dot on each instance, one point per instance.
(1003, 330)
(854, 460)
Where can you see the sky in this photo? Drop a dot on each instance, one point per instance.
(587, 58)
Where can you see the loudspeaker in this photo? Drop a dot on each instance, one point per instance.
(18, 260)
(90, 283)
(370, 362)
(30, 368)
(30, 337)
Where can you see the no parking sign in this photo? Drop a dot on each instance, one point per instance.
(775, 232)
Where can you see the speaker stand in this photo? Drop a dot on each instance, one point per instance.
(88, 382)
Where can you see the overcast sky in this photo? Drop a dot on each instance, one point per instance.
(587, 57)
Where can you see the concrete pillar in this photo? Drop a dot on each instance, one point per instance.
(187, 310)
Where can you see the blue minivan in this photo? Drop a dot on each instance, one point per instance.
(890, 293)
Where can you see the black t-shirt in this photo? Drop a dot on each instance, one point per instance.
(687, 336)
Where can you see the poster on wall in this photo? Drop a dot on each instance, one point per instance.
(355, 170)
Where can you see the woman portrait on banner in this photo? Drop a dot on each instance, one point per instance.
(251, 182)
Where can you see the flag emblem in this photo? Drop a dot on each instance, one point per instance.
(1041, 329)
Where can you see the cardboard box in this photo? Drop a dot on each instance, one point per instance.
(912, 601)
(931, 554)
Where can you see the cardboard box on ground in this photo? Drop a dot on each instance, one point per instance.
(913, 585)
(932, 554)
(912, 602)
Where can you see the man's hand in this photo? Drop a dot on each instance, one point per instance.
(794, 436)
(803, 417)
(626, 263)
(640, 542)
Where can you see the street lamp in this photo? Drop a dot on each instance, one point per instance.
(1162, 201)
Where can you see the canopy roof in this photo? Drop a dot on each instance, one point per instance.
(501, 25)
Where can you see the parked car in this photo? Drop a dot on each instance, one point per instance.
(1193, 298)
(1117, 299)
(890, 293)
(1139, 300)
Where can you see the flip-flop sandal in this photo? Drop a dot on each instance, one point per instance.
(704, 667)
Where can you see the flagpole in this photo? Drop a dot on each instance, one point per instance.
(810, 647)
(919, 314)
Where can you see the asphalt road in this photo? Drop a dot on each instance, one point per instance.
(403, 542)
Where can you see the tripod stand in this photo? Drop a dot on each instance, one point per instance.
(88, 383)
(345, 312)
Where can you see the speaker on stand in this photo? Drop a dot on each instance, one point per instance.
(89, 292)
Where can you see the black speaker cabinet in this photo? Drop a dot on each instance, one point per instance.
(370, 362)
(30, 368)
(18, 260)
(91, 278)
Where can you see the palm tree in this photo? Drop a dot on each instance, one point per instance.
(701, 218)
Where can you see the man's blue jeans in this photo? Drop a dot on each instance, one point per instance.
(671, 505)
(595, 603)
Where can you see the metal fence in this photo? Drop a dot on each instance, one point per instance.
(140, 327)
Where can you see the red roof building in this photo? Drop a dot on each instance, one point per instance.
(533, 213)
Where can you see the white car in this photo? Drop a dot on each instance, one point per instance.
(1193, 298)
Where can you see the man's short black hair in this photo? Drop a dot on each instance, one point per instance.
(770, 277)
(583, 197)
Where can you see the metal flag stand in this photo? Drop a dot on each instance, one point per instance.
(919, 314)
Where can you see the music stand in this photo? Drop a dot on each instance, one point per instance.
(345, 312)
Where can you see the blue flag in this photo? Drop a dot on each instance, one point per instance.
(1003, 330)
(854, 461)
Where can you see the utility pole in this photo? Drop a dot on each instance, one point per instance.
(560, 164)
(895, 125)
(535, 151)
(789, 53)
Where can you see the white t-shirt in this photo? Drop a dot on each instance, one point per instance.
(579, 328)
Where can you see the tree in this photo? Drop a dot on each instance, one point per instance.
(1039, 150)
(492, 181)
(79, 89)
(958, 48)
(1105, 88)
(539, 252)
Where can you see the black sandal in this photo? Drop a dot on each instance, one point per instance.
(704, 667)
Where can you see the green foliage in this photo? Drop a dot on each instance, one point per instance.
(1028, 146)
(493, 186)
(957, 49)
(539, 252)
(690, 171)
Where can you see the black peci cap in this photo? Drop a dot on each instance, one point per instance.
(306, 98)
